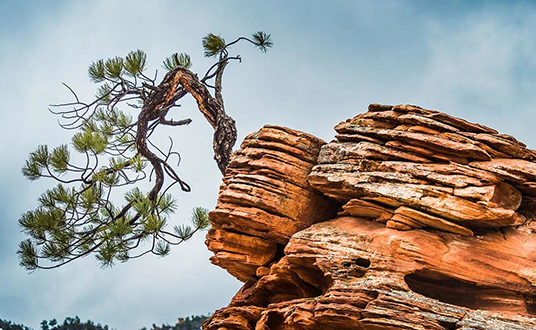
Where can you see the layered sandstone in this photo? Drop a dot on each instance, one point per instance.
(264, 199)
(410, 219)
(426, 169)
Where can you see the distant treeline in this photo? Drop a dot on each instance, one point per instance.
(189, 323)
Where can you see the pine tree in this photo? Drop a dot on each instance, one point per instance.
(80, 215)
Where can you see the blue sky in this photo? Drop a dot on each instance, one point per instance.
(476, 60)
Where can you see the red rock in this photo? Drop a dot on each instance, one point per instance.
(340, 152)
(514, 170)
(407, 147)
(433, 142)
(459, 123)
(379, 107)
(452, 175)
(431, 221)
(427, 122)
(419, 129)
(357, 138)
(412, 223)
(364, 209)
(435, 227)
(372, 277)
(513, 149)
(437, 200)
(240, 255)
(501, 195)
(265, 187)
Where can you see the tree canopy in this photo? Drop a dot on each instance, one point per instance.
(113, 152)
(193, 322)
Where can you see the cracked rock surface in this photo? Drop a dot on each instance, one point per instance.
(410, 219)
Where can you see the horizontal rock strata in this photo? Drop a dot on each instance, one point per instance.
(426, 169)
(410, 220)
(352, 273)
(264, 199)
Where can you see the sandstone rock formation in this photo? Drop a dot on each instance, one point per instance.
(264, 199)
(410, 219)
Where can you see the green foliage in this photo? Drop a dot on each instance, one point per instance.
(200, 218)
(199, 221)
(135, 63)
(111, 237)
(113, 67)
(137, 163)
(81, 214)
(193, 322)
(177, 60)
(89, 140)
(41, 160)
(8, 325)
(162, 248)
(262, 40)
(32, 170)
(213, 45)
(97, 71)
(59, 159)
(27, 254)
(71, 323)
(183, 231)
(103, 93)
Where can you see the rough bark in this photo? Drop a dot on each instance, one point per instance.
(177, 83)
(224, 126)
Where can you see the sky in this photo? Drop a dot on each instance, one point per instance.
(471, 59)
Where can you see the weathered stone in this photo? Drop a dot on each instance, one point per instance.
(357, 138)
(513, 148)
(375, 107)
(427, 122)
(418, 129)
(433, 142)
(437, 200)
(435, 229)
(265, 187)
(452, 175)
(431, 221)
(371, 277)
(501, 195)
(514, 170)
(365, 209)
(407, 147)
(343, 151)
(412, 223)
(239, 254)
(400, 225)
(459, 123)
